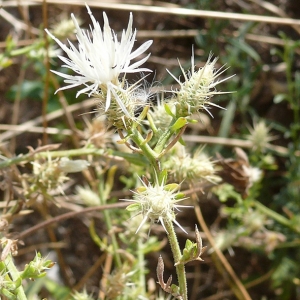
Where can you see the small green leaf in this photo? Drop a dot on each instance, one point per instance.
(171, 187)
(141, 189)
(133, 207)
(8, 294)
(168, 110)
(192, 121)
(162, 179)
(179, 124)
(175, 289)
(181, 141)
(179, 196)
(188, 244)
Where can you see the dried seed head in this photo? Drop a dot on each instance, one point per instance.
(119, 283)
(96, 133)
(51, 174)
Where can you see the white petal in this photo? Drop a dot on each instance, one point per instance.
(179, 226)
(142, 223)
(121, 104)
(173, 76)
(141, 49)
(108, 99)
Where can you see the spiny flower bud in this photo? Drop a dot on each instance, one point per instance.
(125, 104)
(37, 267)
(191, 168)
(159, 115)
(199, 87)
(81, 295)
(115, 113)
(65, 28)
(259, 136)
(119, 284)
(157, 203)
(87, 196)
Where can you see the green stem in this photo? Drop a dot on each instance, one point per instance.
(277, 217)
(108, 223)
(150, 154)
(180, 270)
(15, 275)
(141, 265)
(131, 157)
(163, 140)
(27, 49)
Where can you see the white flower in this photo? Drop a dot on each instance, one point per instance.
(101, 58)
(254, 174)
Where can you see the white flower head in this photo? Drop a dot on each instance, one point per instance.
(157, 203)
(254, 174)
(101, 58)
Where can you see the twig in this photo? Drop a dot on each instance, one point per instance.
(18, 25)
(34, 129)
(95, 267)
(239, 289)
(274, 9)
(47, 75)
(65, 106)
(234, 143)
(181, 11)
(69, 215)
(51, 116)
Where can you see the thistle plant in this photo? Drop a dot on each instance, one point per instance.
(104, 196)
(101, 63)
(153, 137)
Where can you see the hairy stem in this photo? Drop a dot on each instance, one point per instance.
(180, 270)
